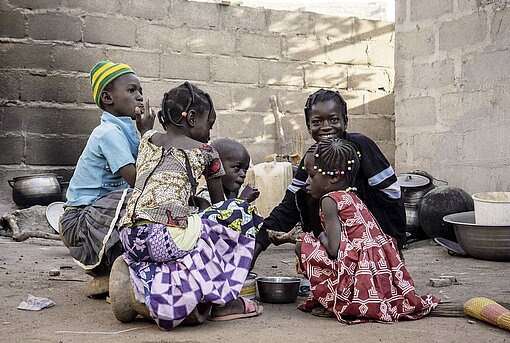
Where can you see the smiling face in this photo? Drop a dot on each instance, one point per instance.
(318, 184)
(326, 120)
(236, 162)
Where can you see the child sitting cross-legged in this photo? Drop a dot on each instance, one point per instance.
(354, 268)
(178, 260)
(100, 186)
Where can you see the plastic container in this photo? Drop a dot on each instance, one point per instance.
(492, 208)
(249, 289)
(272, 180)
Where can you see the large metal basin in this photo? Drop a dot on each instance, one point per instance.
(481, 241)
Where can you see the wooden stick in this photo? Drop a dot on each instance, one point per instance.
(57, 279)
(280, 137)
(19, 235)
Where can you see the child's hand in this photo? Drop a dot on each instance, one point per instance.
(277, 237)
(144, 118)
(201, 203)
(249, 194)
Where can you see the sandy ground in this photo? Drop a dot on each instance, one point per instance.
(24, 270)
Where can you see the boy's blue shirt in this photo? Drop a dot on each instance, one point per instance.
(111, 146)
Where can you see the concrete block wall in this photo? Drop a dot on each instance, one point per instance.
(452, 91)
(240, 55)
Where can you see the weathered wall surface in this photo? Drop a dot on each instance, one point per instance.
(241, 56)
(453, 91)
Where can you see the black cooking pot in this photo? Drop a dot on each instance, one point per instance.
(37, 189)
(439, 202)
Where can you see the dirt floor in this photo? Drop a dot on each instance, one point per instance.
(25, 266)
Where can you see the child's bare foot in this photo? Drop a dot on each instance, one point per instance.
(239, 308)
(278, 238)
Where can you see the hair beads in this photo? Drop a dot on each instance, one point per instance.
(179, 101)
(335, 156)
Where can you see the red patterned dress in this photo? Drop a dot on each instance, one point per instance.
(367, 281)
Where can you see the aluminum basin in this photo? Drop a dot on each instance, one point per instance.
(486, 242)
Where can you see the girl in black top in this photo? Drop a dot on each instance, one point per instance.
(376, 182)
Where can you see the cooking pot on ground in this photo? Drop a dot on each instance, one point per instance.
(414, 186)
(37, 189)
(438, 203)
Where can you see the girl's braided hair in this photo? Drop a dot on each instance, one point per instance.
(178, 101)
(336, 154)
(325, 95)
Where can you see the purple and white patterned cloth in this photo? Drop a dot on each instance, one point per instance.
(172, 282)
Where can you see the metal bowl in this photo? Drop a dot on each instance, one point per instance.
(278, 290)
(486, 242)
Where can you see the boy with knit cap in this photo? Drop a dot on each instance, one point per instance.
(105, 171)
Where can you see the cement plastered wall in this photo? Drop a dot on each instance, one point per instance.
(452, 90)
(241, 56)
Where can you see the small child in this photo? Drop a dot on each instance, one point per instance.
(105, 171)
(177, 259)
(239, 215)
(354, 268)
(236, 161)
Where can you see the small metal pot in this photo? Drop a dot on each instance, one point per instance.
(38, 189)
(414, 186)
(278, 290)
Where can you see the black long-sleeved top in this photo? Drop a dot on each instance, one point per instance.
(376, 185)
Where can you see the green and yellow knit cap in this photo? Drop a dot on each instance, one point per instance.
(103, 73)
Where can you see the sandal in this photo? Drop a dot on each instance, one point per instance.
(322, 312)
(251, 309)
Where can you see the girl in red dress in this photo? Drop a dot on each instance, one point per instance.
(354, 268)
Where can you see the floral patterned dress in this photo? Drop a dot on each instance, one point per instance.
(169, 280)
(367, 281)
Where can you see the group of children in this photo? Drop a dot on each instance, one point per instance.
(184, 247)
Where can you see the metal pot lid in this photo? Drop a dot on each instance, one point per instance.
(408, 180)
(35, 176)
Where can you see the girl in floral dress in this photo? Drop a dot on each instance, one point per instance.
(354, 268)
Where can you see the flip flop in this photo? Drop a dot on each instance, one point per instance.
(251, 309)
(322, 312)
(452, 247)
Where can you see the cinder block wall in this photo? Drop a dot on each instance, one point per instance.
(453, 91)
(241, 56)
